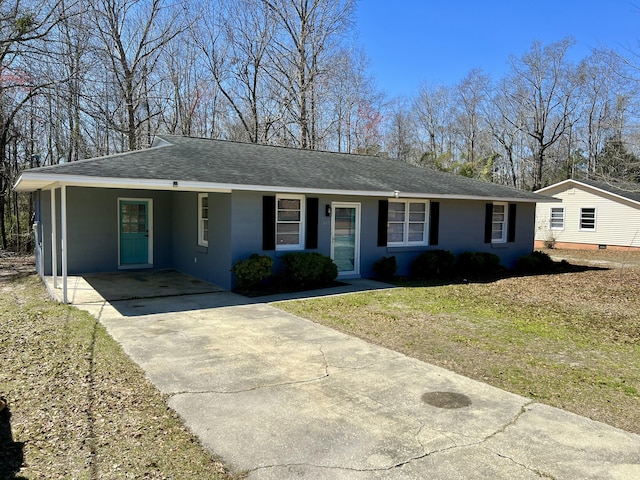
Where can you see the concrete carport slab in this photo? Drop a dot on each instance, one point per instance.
(281, 397)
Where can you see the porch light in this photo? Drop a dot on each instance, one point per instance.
(396, 193)
(175, 184)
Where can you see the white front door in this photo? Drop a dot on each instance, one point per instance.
(345, 237)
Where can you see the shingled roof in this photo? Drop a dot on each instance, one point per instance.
(185, 163)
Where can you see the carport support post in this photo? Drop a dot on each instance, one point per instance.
(54, 234)
(63, 224)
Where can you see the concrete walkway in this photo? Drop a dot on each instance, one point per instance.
(281, 397)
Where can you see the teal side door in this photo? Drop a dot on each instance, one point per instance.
(134, 232)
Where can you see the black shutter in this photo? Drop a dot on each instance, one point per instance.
(488, 221)
(434, 222)
(383, 217)
(269, 222)
(311, 234)
(511, 232)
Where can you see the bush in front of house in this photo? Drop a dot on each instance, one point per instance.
(385, 268)
(308, 269)
(535, 262)
(253, 271)
(478, 263)
(433, 264)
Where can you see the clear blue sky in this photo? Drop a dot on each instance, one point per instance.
(409, 42)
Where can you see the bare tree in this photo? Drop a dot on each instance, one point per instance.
(400, 131)
(25, 28)
(308, 35)
(132, 35)
(432, 112)
(469, 98)
(544, 85)
(233, 38)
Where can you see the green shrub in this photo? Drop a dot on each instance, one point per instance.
(528, 264)
(535, 262)
(478, 263)
(306, 269)
(250, 273)
(545, 259)
(434, 263)
(386, 267)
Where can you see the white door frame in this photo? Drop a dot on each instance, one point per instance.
(356, 260)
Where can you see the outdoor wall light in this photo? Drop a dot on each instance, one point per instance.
(175, 184)
(396, 193)
(327, 210)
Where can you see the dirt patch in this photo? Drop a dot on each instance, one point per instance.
(605, 258)
(12, 265)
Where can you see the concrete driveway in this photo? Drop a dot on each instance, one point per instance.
(281, 397)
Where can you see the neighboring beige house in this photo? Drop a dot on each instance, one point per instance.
(592, 215)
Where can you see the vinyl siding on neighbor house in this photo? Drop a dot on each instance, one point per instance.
(617, 219)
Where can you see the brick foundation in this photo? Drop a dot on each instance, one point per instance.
(583, 246)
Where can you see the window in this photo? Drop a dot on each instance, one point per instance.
(588, 218)
(203, 219)
(556, 218)
(289, 222)
(499, 223)
(407, 223)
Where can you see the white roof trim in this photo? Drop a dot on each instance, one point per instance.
(589, 187)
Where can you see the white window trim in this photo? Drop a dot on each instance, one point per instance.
(505, 223)
(551, 209)
(302, 223)
(595, 220)
(405, 236)
(201, 240)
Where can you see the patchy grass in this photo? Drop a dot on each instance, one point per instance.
(77, 406)
(569, 340)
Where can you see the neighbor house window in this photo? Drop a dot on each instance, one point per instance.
(556, 218)
(407, 222)
(499, 223)
(289, 222)
(588, 218)
(203, 219)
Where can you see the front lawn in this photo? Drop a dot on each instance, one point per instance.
(569, 340)
(77, 406)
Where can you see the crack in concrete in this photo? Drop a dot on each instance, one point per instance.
(526, 467)
(512, 422)
(503, 429)
(421, 426)
(261, 387)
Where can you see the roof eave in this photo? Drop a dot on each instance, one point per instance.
(571, 181)
(29, 182)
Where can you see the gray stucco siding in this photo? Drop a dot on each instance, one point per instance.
(461, 228)
(235, 231)
(92, 228)
(211, 262)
